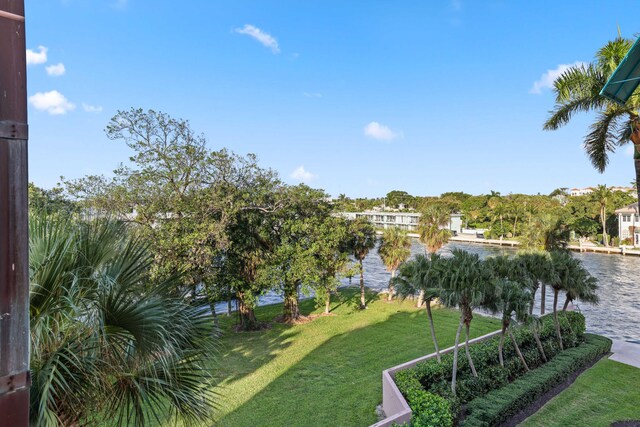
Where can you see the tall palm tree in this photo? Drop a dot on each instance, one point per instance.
(578, 90)
(363, 239)
(421, 275)
(581, 286)
(433, 231)
(394, 249)
(601, 195)
(563, 267)
(464, 286)
(102, 340)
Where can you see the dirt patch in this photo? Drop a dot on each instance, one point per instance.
(542, 400)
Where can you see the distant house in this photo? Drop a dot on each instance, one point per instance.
(581, 191)
(629, 223)
(589, 190)
(403, 220)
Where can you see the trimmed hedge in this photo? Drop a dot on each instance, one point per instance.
(500, 405)
(427, 386)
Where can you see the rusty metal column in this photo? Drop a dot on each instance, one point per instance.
(14, 273)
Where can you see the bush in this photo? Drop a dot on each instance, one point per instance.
(433, 378)
(498, 406)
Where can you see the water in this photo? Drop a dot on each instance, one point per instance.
(617, 316)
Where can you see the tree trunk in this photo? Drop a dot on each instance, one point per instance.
(228, 301)
(466, 347)
(433, 329)
(603, 218)
(248, 321)
(566, 303)
(515, 221)
(543, 298)
(216, 321)
(500, 346)
(390, 295)
(327, 303)
(455, 357)
(363, 301)
(420, 299)
(555, 316)
(536, 336)
(533, 300)
(515, 344)
(291, 310)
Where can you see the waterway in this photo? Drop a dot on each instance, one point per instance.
(617, 316)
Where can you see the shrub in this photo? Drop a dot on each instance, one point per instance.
(498, 406)
(433, 378)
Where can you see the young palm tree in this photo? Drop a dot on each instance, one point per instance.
(421, 275)
(601, 195)
(539, 269)
(581, 285)
(563, 267)
(578, 90)
(363, 239)
(103, 343)
(464, 286)
(394, 249)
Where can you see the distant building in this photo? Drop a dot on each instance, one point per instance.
(629, 223)
(589, 190)
(402, 220)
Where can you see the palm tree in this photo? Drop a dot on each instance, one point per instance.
(421, 275)
(581, 285)
(601, 195)
(363, 239)
(578, 90)
(463, 286)
(433, 231)
(394, 249)
(539, 269)
(103, 341)
(511, 299)
(563, 267)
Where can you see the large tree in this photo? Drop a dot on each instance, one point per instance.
(433, 230)
(394, 249)
(601, 195)
(578, 90)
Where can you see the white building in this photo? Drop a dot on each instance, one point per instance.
(402, 220)
(629, 223)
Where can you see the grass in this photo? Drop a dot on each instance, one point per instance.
(327, 371)
(605, 393)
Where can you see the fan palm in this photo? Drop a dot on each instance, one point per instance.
(395, 248)
(420, 275)
(463, 286)
(102, 342)
(433, 231)
(539, 268)
(578, 90)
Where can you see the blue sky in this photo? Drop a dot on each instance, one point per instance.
(358, 97)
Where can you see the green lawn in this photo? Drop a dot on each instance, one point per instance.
(605, 393)
(327, 371)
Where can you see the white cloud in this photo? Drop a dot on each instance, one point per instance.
(39, 57)
(56, 70)
(52, 102)
(92, 108)
(302, 175)
(265, 38)
(547, 79)
(378, 131)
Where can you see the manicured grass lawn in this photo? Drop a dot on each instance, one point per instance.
(605, 393)
(327, 371)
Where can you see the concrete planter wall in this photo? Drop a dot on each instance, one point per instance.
(395, 407)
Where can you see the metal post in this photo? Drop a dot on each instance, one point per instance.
(14, 275)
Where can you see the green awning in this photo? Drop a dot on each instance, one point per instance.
(626, 78)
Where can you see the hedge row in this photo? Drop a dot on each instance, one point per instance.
(500, 405)
(427, 386)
